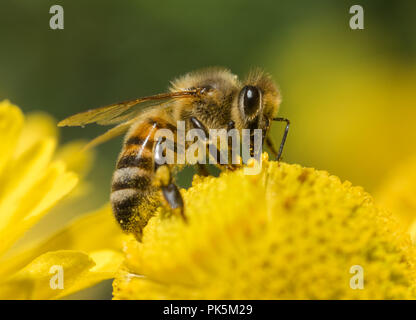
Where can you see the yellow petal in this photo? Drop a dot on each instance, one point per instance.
(40, 278)
(76, 158)
(397, 192)
(38, 126)
(412, 232)
(52, 186)
(107, 264)
(92, 232)
(21, 175)
(11, 122)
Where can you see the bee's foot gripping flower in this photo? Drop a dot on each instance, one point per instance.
(287, 233)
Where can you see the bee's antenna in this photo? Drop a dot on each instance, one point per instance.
(282, 144)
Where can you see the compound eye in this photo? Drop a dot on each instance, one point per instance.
(250, 99)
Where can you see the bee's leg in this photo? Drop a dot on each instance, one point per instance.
(199, 125)
(232, 166)
(163, 179)
(282, 144)
(214, 151)
(201, 167)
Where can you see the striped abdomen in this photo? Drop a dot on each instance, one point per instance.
(134, 198)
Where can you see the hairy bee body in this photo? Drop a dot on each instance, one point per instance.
(134, 197)
(208, 99)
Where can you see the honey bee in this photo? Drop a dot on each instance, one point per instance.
(212, 98)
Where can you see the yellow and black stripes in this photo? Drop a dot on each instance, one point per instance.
(131, 178)
(133, 193)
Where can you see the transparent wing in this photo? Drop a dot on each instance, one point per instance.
(126, 110)
(110, 134)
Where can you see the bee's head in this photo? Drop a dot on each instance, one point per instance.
(258, 101)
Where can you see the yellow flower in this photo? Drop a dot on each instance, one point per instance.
(288, 233)
(34, 178)
(397, 194)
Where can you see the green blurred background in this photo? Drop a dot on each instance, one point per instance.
(350, 94)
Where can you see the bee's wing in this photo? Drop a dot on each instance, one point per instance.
(110, 134)
(124, 111)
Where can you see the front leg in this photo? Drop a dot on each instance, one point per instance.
(232, 166)
(212, 148)
(282, 143)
